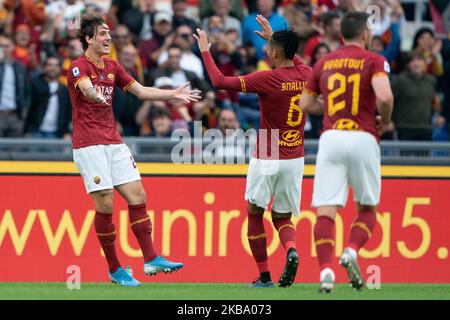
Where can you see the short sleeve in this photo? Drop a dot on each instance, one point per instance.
(312, 86)
(123, 79)
(76, 73)
(256, 82)
(380, 67)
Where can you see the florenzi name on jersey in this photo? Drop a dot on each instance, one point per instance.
(293, 86)
(349, 63)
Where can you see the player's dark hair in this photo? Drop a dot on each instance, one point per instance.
(287, 40)
(414, 55)
(174, 46)
(329, 17)
(160, 113)
(354, 24)
(58, 59)
(88, 27)
(419, 34)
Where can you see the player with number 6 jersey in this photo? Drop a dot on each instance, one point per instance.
(354, 85)
(276, 168)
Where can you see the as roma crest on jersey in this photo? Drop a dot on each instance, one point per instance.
(110, 76)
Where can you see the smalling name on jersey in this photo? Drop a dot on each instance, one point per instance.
(293, 86)
(350, 63)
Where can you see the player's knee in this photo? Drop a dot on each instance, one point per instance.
(254, 210)
(105, 201)
(141, 196)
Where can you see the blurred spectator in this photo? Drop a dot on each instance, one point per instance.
(26, 12)
(301, 17)
(25, 51)
(265, 8)
(207, 111)
(222, 9)
(61, 14)
(389, 46)
(228, 125)
(140, 20)
(180, 112)
(31, 12)
(414, 92)
(252, 5)
(313, 125)
(161, 123)
(446, 18)
(125, 104)
(227, 122)
(117, 12)
(189, 61)
(206, 8)
(227, 57)
(179, 76)
(248, 111)
(150, 50)
(391, 11)
(73, 50)
(321, 50)
(121, 39)
(50, 110)
(425, 44)
(179, 8)
(332, 36)
(14, 97)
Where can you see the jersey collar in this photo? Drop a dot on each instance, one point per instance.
(100, 66)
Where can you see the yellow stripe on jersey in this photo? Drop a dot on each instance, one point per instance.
(78, 81)
(128, 85)
(379, 74)
(244, 89)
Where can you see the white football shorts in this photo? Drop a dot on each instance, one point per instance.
(105, 166)
(281, 179)
(347, 158)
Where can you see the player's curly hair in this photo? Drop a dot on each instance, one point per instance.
(88, 27)
(288, 40)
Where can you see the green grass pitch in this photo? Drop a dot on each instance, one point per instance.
(217, 291)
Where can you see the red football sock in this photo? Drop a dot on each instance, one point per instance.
(324, 239)
(257, 240)
(106, 234)
(362, 228)
(141, 225)
(286, 232)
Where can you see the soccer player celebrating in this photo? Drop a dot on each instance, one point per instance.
(103, 160)
(354, 85)
(279, 93)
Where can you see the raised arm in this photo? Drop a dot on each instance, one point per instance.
(150, 93)
(218, 80)
(267, 32)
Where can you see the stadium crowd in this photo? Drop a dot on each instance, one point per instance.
(153, 41)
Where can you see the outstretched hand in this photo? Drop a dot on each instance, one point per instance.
(266, 30)
(202, 40)
(99, 96)
(185, 94)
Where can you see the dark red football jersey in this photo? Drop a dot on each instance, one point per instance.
(95, 124)
(344, 77)
(279, 94)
